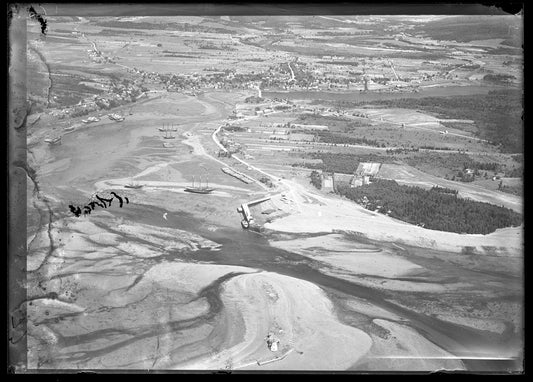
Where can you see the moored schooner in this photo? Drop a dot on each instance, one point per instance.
(199, 189)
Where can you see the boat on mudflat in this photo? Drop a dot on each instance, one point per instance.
(199, 189)
(133, 185)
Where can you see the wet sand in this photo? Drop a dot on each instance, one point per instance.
(298, 313)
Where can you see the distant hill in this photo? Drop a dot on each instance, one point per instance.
(471, 28)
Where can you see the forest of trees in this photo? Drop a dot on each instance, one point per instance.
(429, 209)
(517, 172)
(444, 190)
(340, 130)
(499, 78)
(234, 128)
(490, 166)
(335, 124)
(343, 139)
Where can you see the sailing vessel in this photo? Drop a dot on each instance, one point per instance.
(168, 135)
(167, 131)
(167, 128)
(199, 189)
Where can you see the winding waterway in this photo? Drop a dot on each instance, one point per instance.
(251, 249)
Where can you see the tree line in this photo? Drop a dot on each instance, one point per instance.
(444, 190)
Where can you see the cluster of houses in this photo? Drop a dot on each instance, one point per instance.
(308, 76)
(364, 174)
(97, 56)
(119, 95)
(128, 91)
(213, 79)
(378, 72)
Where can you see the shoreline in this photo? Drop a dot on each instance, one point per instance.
(336, 214)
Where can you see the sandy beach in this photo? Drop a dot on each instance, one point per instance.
(298, 313)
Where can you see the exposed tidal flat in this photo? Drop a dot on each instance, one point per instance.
(137, 294)
(152, 305)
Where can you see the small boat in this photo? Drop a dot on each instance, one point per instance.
(116, 117)
(199, 189)
(53, 141)
(91, 119)
(133, 185)
(70, 128)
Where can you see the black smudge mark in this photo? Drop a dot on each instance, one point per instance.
(36, 16)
